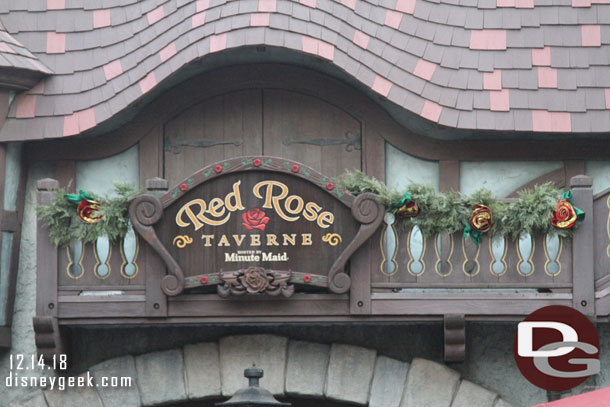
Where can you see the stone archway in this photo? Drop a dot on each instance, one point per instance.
(344, 373)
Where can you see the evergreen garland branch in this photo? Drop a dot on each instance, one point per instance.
(64, 225)
(450, 212)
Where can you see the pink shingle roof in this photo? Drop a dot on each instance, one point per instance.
(541, 65)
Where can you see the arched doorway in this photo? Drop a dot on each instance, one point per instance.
(295, 401)
(332, 374)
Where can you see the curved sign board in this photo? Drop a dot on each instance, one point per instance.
(256, 225)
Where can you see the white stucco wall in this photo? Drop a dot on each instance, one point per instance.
(600, 171)
(502, 178)
(98, 176)
(403, 169)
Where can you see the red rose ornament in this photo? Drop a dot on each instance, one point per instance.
(564, 216)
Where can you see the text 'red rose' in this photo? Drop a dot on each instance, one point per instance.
(481, 218)
(564, 215)
(254, 219)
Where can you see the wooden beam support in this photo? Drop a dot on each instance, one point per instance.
(583, 276)
(46, 257)
(51, 340)
(449, 175)
(5, 338)
(156, 300)
(455, 337)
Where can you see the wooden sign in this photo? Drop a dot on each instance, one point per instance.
(255, 225)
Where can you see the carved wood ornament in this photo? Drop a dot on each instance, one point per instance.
(320, 262)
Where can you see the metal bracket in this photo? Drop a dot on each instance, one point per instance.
(176, 145)
(352, 141)
(455, 337)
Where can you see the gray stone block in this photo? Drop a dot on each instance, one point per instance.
(74, 396)
(472, 395)
(388, 382)
(306, 368)
(429, 384)
(161, 377)
(35, 399)
(239, 352)
(114, 396)
(502, 403)
(350, 373)
(202, 370)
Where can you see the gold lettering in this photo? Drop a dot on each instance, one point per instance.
(232, 207)
(299, 207)
(224, 241)
(199, 219)
(212, 222)
(255, 240)
(273, 201)
(272, 240)
(306, 239)
(311, 211)
(239, 239)
(190, 214)
(207, 240)
(326, 216)
(290, 239)
(214, 206)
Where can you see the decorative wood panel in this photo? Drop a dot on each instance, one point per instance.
(219, 128)
(452, 261)
(263, 121)
(309, 130)
(601, 222)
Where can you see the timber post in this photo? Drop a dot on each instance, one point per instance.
(583, 278)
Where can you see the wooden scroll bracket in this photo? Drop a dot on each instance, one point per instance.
(51, 341)
(369, 212)
(145, 211)
(455, 337)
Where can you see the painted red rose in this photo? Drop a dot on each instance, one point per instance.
(330, 186)
(254, 219)
(183, 187)
(295, 168)
(257, 162)
(218, 169)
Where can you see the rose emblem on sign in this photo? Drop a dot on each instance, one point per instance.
(255, 279)
(254, 219)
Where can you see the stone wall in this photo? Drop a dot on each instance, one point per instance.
(338, 372)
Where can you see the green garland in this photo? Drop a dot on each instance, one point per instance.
(450, 212)
(440, 212)
(64, 225)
